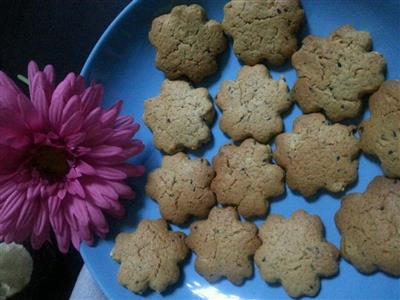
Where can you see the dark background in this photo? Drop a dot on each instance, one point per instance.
(62, 33)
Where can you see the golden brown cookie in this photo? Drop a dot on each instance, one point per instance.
(318, 155)
(336, 72)
(246, 178)
(182, 188)
(149, 257)
(179, 117)
(380, 135)
(369, 224)
(224, 246)
(263, 29)
(186, 43)
(252, 105)
(295, 253)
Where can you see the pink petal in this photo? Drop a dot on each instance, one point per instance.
(71, 107)
(73, 174)
(98, 136)
(123, 121)
(135, 148)
(25, 217)
(10, 158)
(91, 98)
(75, 188)
(85, 168)
(33, 69)
(11, 206)
(76, 242)
(132, 171)
(81, 151)
(42, 223)
(40, 96)
(97, 219)
(105, 197)
(54, 205)
(61, 194)
(29, 114)
(10, 137)
(55, 111)
(50, 74)
(7, 83)
(105, 151)
(120, 136)
(72, 125)
(75, 139)
(70, 86)
(111, 114)
(96, 187)
(110, 173)
(32, 192)
(78, 211)
(123, 190)
(93, 117)
(7, 186)
(63, 237)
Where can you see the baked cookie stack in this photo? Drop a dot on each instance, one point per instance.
(319, 155)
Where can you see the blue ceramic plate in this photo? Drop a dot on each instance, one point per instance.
(123, 60)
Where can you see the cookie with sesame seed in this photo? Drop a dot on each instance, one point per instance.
(295, 253)
(380, 135)
(224, 246)
(179, 117)
(369, 223)
(187, 43)
(181, 187)
(318, 155)
(149, 257)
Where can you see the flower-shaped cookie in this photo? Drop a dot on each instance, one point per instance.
(149, 256)
(318, 155)
(224, 246)
(335, 73)
(381, 134)
(263, 29)
(294, 253)
(252, 104)
(246, 178)
(182, 188)
(179, 116)
(369, 224)
(186, 43)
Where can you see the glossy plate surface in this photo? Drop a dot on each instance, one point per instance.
(123, 60)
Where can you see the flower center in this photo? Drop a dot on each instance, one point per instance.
(51, 163)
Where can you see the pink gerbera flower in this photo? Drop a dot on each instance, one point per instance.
(62, 160)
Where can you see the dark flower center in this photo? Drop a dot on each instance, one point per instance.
(51, 163)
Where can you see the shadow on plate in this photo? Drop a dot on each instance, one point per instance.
(203, 150)
(222, 61)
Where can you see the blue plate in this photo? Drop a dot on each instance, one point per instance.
(123, 60)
